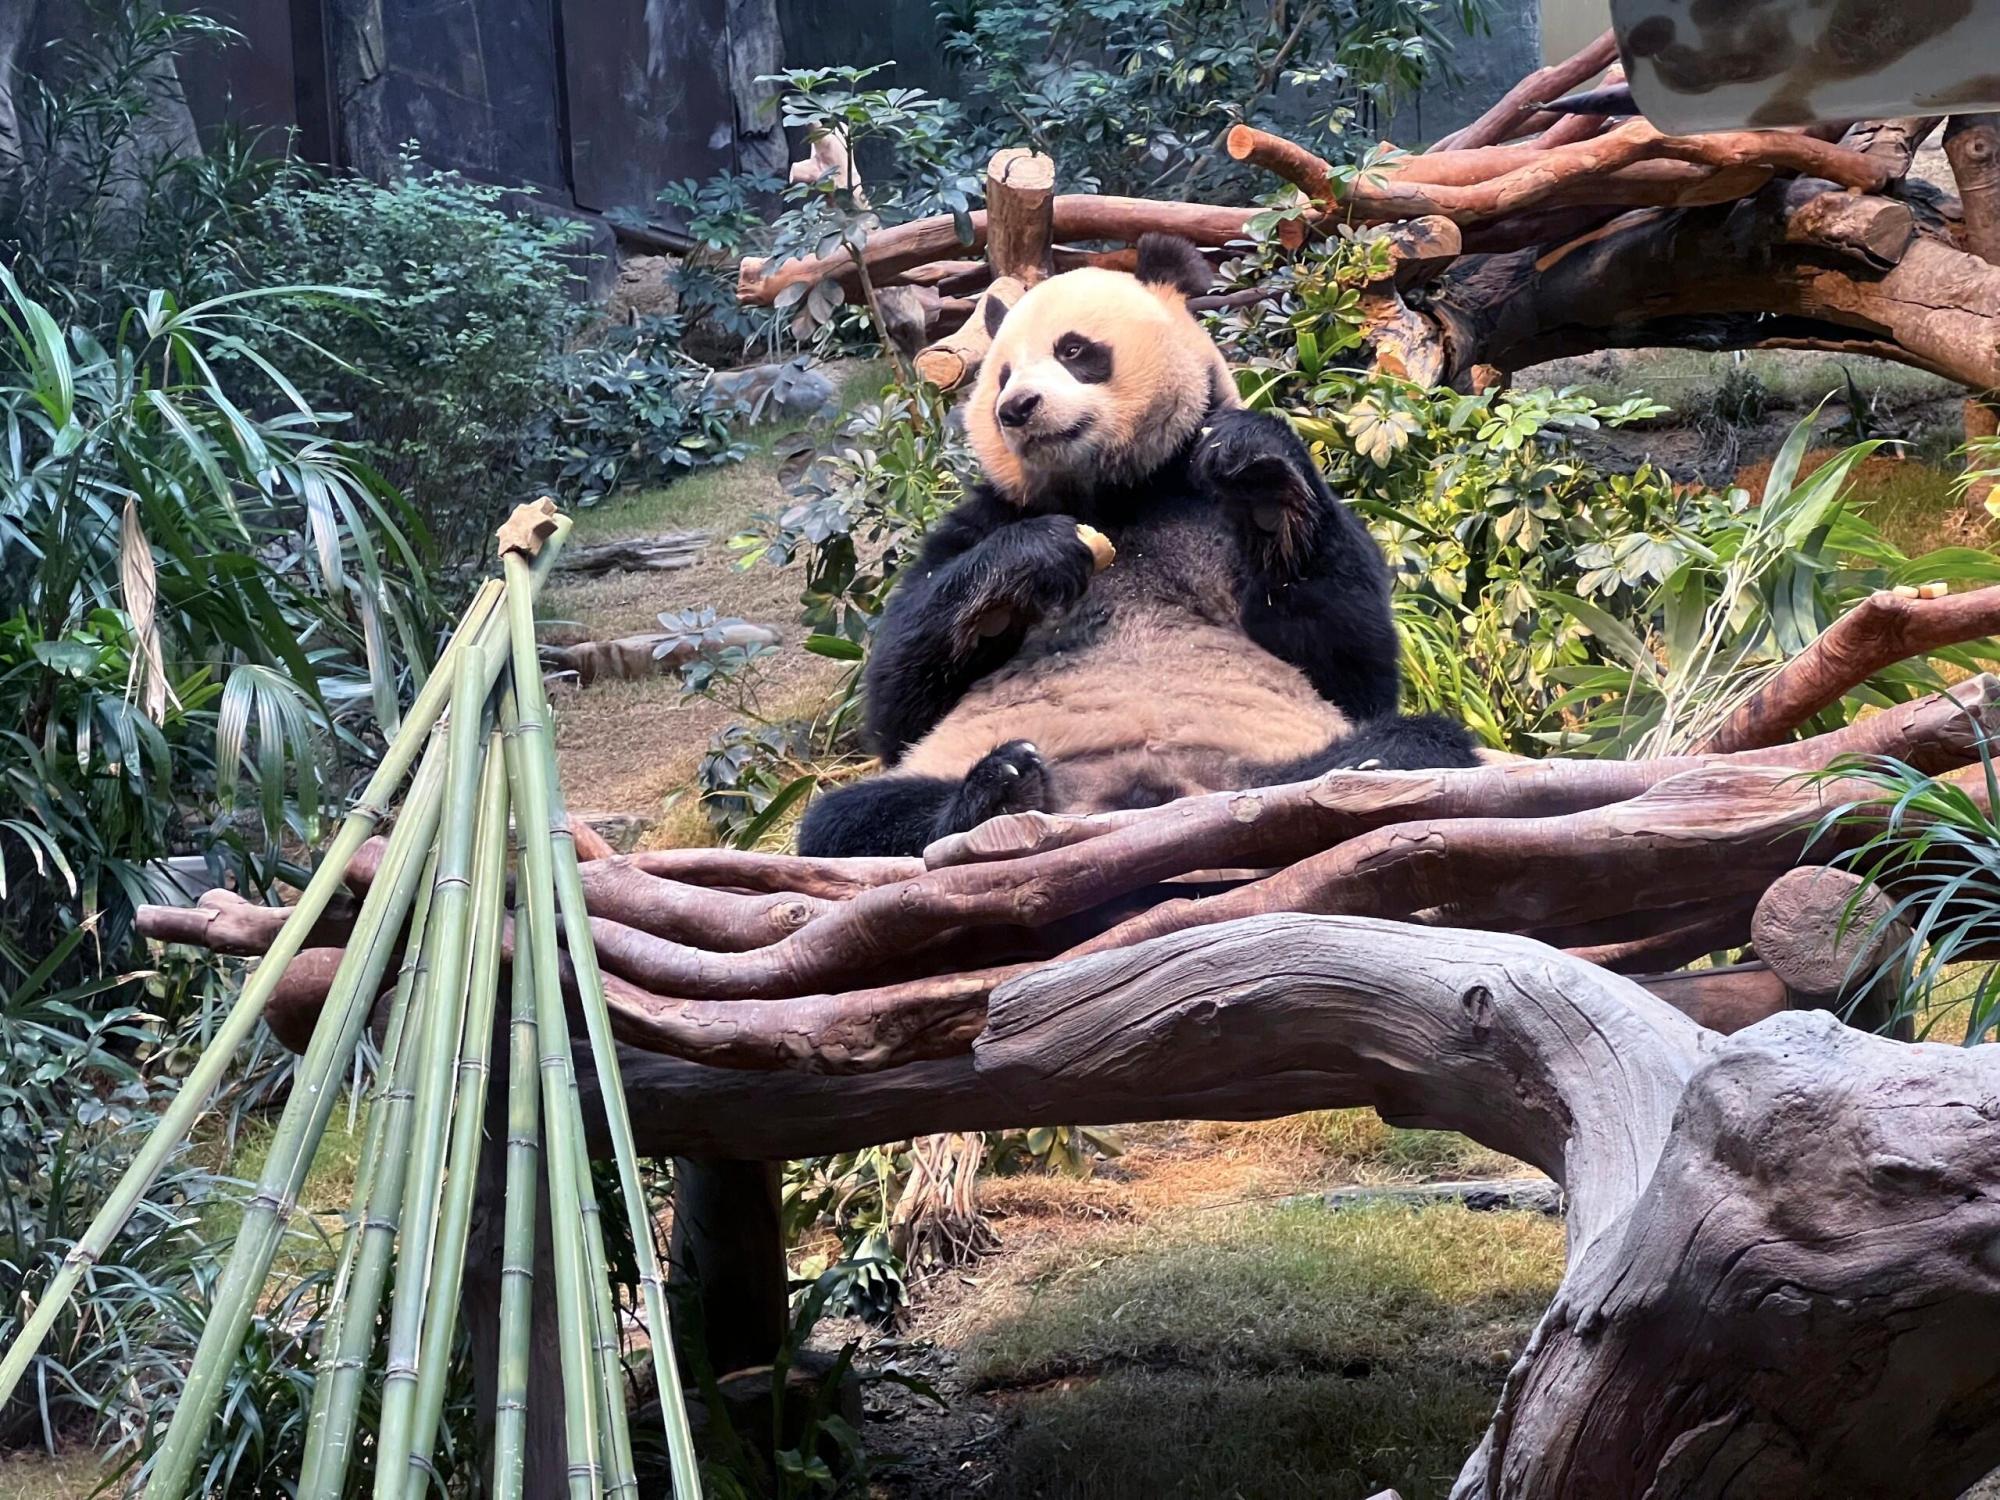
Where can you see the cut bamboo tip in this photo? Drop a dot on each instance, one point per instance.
(529, 526)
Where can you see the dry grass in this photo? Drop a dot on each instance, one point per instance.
(36, 1476)
(632, 746)
(1354, 1145)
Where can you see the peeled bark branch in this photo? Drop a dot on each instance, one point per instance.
(1880, 631)
(1076, 216)
(1516, 107)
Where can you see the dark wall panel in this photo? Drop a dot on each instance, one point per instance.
(476, 84)
(248, 83)
(649, 97)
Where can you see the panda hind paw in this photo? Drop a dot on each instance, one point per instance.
(1010, 779)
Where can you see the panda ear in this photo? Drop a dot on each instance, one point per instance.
(1167, 260)
(995, 312)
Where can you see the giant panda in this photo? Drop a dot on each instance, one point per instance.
(1241, 635)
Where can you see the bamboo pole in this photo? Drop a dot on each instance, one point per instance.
(564, 1125)
(470, 802)
(517, 1231)
(537, 754)
(314, 1091)
(621, 1478)
(447, 1264)
(349, 1331)
(194, 1093)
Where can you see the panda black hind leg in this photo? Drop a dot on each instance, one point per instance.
(1396, 742)
(895, 814)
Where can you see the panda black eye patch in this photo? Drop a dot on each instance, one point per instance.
(1086, 360)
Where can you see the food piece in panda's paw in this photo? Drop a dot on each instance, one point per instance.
(1101, 550)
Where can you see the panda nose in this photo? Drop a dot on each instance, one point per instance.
(1017, 408)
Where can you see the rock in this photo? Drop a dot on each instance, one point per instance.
(792, 386)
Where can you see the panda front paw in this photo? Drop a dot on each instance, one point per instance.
(1254, 465)
(1010, 779)
(1030, 569)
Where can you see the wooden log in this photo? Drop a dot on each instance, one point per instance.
(729, 1248)
(1020, 214)
(1720, 278)
(952, 361)
(1747, 1216)
(1834, 940)
(1895, 142)
(673, 549)
(1725, 999)
(1972, 146)
(1659, 940)
(634, 658)
(1880, 631)
(1879, 230)
(1517, 107)
(1076, 216)
(943, 273)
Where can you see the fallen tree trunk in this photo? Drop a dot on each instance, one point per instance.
(633, 658)
(675, 549)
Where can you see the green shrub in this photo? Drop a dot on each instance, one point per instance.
(192, 598)
(104, 202)
(444, 368)
(1131, 95)
(631, 411)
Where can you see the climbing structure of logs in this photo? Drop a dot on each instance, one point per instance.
(1548, 235)
(767, 962)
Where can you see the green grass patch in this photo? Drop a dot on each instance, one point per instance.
(719, 498)
(1281, 1351)
(1361, 1148)
(324, 1198)
(1912, 503)
(707, 500)
(1687, 379)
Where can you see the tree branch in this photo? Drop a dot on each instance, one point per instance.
(1880, 631)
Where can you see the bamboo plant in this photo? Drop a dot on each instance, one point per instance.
(440, 898)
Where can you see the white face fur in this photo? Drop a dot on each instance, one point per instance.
(1093, 375)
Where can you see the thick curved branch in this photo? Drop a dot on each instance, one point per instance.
(1632, 164)
(1880, 631)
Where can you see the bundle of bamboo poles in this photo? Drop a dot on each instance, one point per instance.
(485, 777)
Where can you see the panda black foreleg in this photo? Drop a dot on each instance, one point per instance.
(953, 620)
(1316, 590)
(1257, 467)
(896, 814)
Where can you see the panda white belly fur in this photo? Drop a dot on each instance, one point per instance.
(1147, 689)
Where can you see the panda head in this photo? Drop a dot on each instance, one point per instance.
(1096, 376)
